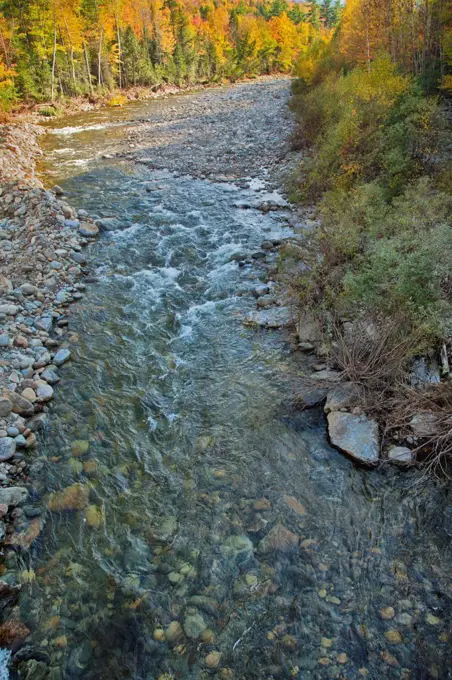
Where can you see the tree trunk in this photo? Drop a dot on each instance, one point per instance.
(99, 61)
(54, 58)
(85, 51)
(119, 54)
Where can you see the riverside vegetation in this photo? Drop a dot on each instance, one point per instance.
(376, 273)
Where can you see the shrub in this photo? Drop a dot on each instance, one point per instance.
(117, 100)
(48, 111)
(382, 247)
(8, 93)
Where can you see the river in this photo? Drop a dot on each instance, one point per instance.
(223, 536)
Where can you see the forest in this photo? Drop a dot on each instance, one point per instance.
(64, 48)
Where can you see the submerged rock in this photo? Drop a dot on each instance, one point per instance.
(355, 435)
(75, 497)
(174, 632)
(14, 495)
(279, 538)
(194, 625)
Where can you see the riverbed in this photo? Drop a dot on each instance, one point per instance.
(215, 533)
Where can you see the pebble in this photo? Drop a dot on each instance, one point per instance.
(61, 357)
(213, 659)
(394, 637)
(387, 613)
(194, 625)
(432, 620)
(45, 392)
(7, 448)
(6, 407)
(174, 632)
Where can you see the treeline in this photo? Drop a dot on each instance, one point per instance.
(378, 164)
(53, 48)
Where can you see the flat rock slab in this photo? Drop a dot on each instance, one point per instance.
(270, 318)
(355, 435)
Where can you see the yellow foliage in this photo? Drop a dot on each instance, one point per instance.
(446, 83)
(117, 100)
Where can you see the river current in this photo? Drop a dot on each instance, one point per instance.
(219, 534)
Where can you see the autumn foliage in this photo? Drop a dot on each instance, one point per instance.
(55, 48)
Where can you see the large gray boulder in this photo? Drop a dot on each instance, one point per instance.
(355, 435)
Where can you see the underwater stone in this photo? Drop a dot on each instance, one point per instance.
(194, 626)
(75, 497)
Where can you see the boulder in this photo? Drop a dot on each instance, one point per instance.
(28, 289)
(308, 329)
(5, 285)
(326, 375)
(44, 324)
(355, 435)
(10, 310)
(270, 318)
(45, 392)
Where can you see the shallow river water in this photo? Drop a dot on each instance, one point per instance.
(219, 534)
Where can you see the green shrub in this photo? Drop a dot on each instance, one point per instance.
(383, 245)
(48, 111)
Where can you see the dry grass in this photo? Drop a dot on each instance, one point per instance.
(375, 354)
(433, 450)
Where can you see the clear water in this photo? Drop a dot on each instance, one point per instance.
(197, 454)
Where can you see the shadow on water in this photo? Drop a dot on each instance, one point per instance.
(205, 528)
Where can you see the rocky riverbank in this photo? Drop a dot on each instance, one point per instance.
(42, 264)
